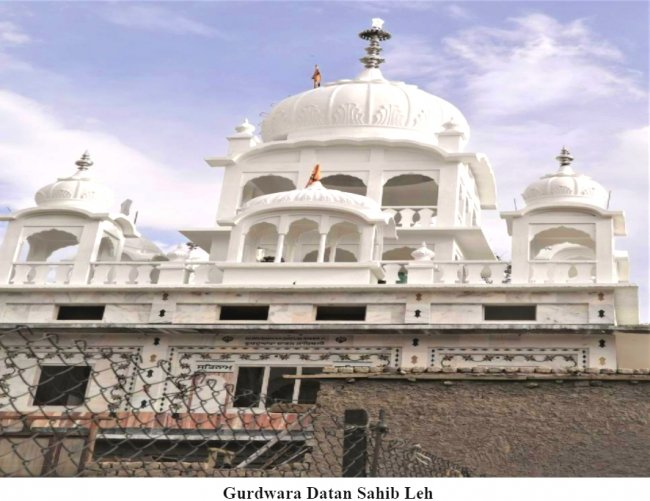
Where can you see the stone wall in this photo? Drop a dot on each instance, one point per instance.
(512, 428)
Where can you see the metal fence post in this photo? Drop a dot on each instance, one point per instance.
(378, 431)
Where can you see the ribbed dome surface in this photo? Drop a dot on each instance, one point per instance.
(317, 194)
(78, 190)
(566, 186)
(368, 106)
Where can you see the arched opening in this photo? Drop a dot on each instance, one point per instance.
(562, 243)
(260, 244)
(107, 249)
(342, 256)
(410, 190)
(50, 246)
(265, 185)
(302, 237)
(398, 254)
(345, 182)
(412, 200)
(343, 236)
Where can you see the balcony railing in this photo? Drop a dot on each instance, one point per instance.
(207, 272)
(558, 272)
(413, 216)
(41, 273)
(453, 272)
(124, 273)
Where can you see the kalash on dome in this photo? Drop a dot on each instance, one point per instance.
(347, 245)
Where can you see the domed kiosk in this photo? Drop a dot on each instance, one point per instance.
(319, 235)
(78, 191)
(565, 231)
(71, 229)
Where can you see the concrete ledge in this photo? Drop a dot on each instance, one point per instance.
(333, 327)
(481, 377)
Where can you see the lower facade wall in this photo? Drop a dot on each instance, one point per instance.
(494, 428)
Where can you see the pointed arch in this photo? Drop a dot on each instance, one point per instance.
(345, 182)
(562, 242)
(265, 185)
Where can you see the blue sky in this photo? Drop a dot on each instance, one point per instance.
(153, 88)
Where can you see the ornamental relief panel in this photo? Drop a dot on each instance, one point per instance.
(347, 114)
(421, 120)
(209, 360)
(555, 358)
(61, 194)
(389, 115)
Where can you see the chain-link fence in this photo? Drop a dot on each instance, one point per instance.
(68, 409)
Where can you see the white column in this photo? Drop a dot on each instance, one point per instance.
(365, 244)
(88, 247)
(9, 250)
(520, 252)
(604, 251)
(333, 245)
(236, 244)
(448, 186)
(279, 248)
(321, 247)
(376, 179)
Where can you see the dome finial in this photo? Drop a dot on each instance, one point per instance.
(84, 163)
(564, 157)
(374, 35)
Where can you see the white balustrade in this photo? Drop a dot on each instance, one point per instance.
(204, 273)
(560, 272)
(412, 216)
(124, 273)
(40, 273)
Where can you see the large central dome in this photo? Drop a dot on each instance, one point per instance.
(366, 107)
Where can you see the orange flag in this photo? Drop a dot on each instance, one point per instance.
(315, 175)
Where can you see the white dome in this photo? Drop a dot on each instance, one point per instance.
(317, 195)
(368, 106)
(76, 191)
(566, 186)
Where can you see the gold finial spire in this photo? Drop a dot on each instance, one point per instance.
(564, 157)
(84, 163)
(374, 35)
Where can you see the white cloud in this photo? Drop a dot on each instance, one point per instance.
(11, 37)
(36, 148)
(535, 63)
(156, 18)
(384, 7)
(11, 34)
(455, 11)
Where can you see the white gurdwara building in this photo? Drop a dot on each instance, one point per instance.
(381, 264)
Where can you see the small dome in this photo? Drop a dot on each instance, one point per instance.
(77, 191)
(318, 195)
(566, 186)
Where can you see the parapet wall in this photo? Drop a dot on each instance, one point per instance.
(531, 427)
